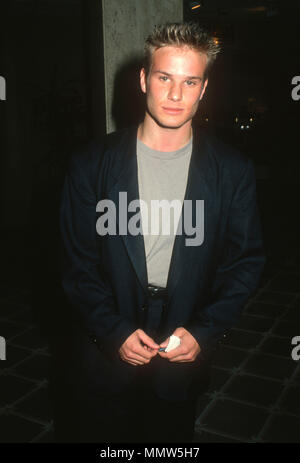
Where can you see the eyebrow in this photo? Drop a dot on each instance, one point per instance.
(170, 75)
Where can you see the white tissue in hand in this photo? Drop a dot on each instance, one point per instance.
(174, 342)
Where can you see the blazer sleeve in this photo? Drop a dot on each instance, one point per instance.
(87, 291)
(239, 272)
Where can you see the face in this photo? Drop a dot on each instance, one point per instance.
(174, 85)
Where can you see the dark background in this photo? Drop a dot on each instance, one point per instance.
(51, 58)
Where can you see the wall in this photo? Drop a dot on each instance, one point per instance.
(125, 27)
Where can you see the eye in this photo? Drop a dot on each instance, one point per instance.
(190, 83)
(164, 78)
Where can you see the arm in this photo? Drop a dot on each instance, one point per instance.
(239, 272)
(88, 292)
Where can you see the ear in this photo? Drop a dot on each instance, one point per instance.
(143, 80)
(203, 89)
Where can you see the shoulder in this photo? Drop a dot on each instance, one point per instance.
(227, 155)
(224, 159)
(91, 156)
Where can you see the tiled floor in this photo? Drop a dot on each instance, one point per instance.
(255, 384)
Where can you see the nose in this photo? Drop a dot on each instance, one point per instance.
(175, 93)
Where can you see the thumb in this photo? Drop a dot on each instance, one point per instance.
(165, 343)
(147, 340)
(179, 332)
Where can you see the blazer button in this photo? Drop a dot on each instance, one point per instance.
(97, 342)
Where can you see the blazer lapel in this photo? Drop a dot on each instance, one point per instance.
(198, 188)
(127, 182)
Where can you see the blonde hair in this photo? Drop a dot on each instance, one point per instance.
(188, 34)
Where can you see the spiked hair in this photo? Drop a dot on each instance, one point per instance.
(188, 34)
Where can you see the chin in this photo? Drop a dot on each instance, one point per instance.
(169, 124)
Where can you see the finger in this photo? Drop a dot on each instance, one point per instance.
(134, 356)
(165, 343)
(130, 354)
(142, 353)
(139, 348)
(132, 359)
(152, 352)
(131, 363)
(183, 358)
(147, 340)
(179, 332)
(173, 353)
(147, 348)
(181, 361)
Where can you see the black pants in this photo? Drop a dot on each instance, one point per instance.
(83, 414)
(136, 415)
(152, 419)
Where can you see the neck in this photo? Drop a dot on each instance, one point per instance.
(162, 138)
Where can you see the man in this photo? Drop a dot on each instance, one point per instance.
(131, 289)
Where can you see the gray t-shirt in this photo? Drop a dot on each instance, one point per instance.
(161, 176)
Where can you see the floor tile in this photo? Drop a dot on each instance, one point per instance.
(17, 429)
(253, 323)
(37, 405)
(12, 388)
(9, 328)
(288, 282)
(242, 339)
(202, 402)
(36, 367)
(282, 428)
(31, 338)
(293, 315)
(297, 376)
(14, 355)
(218, 378)
(265, 310)
(8, 309)
(19, 296)
(286, 328)
(228, 357)
(204, 436)
(267, 365)
(47, 438)
(277, 346)
(254, 390)
(236, 419)
(291, 400)
(275, 298)
(24, 316)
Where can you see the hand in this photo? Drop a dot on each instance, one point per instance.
(187, 351)
(138, 348)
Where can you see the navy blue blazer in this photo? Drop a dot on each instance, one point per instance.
(105, 277)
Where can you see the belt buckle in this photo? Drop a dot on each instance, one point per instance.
(153, 290)
(156, 291)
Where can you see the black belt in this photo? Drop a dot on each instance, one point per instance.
(156, 292)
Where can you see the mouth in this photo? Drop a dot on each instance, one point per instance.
(173, 111)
